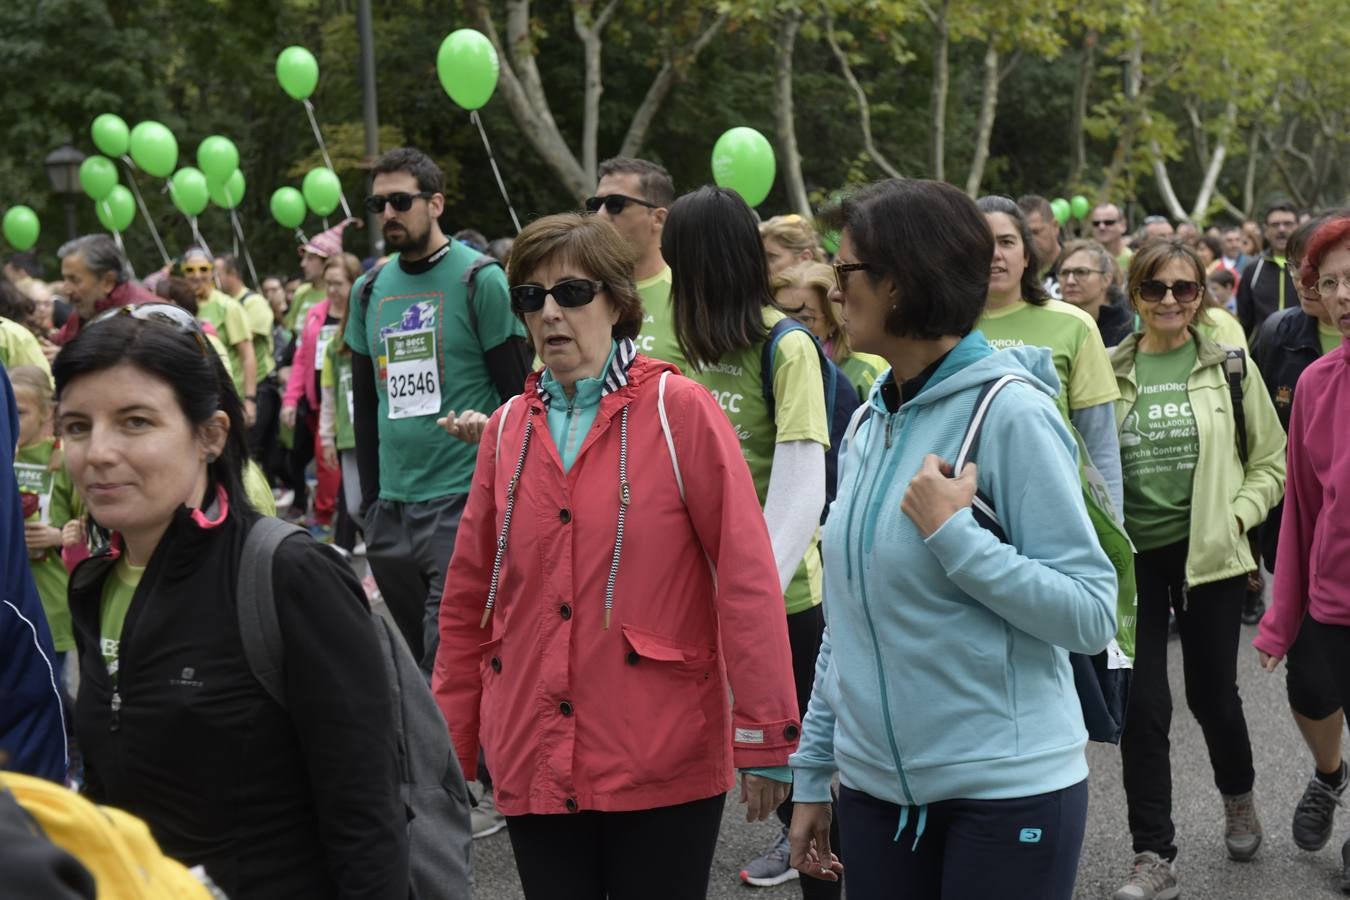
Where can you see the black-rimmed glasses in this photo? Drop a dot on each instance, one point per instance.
(401, 201)
(614, 204)
(841, 271)
(574, 292)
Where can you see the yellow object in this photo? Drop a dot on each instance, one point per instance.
(115, 846)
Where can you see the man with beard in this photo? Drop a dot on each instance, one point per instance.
(432, 337)
(1267, 285)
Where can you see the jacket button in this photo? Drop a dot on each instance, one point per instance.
(496, 664)
(571, 804)
(564, 515)
(633, 657)
(565, 611)
(791, 732)
(565, 708)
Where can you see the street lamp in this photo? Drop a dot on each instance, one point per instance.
(63, 171)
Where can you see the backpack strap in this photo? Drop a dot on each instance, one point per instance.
(368, 286)
(828, 373)
(982, 507)
(501, 427)
(674, 459)
(259, 627)
(1235, 368)
(860, 415)
(469, 280)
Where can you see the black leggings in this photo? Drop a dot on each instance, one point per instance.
(804, 633)
(1025, 848)
(1209, 618)
(652, 854)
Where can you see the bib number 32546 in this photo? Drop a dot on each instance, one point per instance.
(413, 378)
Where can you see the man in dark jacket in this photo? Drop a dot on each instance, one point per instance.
(32, 734)
(1267, 285)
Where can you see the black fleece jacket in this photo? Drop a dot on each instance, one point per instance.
(275, 804)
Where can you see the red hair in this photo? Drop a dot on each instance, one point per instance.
(1334, 233)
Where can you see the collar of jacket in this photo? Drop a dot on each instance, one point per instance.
(1207, 353)
(616, 376)
(1296, 330)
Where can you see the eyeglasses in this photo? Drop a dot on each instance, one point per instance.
(1153, 291)
(570, 294)
(1104, 223)
(177, 318)
(841, 271)
(199, 269)
(614, 203)
(401, 201)
(1078, 274)
(1327, 287)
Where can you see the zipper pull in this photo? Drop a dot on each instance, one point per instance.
(890, 420)
(115, 721)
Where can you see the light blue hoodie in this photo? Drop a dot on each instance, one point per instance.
(944, 672)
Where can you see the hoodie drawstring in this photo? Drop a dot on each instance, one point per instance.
(918, 828)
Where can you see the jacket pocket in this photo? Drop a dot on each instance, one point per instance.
(668, 691)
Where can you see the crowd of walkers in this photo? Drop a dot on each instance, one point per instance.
(663, 500)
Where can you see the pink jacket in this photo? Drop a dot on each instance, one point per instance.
(573, 715)
(1312, 570)
(302, 367)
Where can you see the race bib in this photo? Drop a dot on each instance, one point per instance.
(36, 480)
(326, 334)
(413, 381)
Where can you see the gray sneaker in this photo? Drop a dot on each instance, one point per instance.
(484, 818)
(1242, 829)
(771, 867)
(1151, 878)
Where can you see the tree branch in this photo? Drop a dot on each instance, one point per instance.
(784, 123)
(671, 70)
(864, 108)
(985, 129)
(937, 104)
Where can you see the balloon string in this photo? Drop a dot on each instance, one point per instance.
(117, 239)
(243, 243)
(197, 237)
(145, 214)
(300, 236)
(495, 171)
(313, 123)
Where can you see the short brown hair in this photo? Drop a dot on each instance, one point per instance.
(1155, 254)
(592, 244)
(349, 263)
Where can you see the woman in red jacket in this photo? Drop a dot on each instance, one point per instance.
(611, 580)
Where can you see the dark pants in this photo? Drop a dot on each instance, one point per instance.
(1332, 645)
(1025, 847)
(1309, 678)
(652, 854)
(408, 546)
(804, 633)
(262, 437)
(302, 451)
(1208, 622)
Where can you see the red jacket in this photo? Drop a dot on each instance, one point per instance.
(128, 293)
(572, 715)
(302, 367)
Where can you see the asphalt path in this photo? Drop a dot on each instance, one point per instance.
(1280, 871)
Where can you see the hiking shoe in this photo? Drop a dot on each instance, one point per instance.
(770, 867)
(1242, 829)
(1315, 811)
(485, 818)
(1151, 878)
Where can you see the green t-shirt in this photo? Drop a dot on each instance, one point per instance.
(1159, 446)
(1330, 338)
(227, 317)
(258, 315)
(1085, 374)
(306, 295)
(862, 369)
(223, 352)
(337, 374)
(416, 332)
(57, 505)
(734, 382)
(118, 590)
(657, 338)
(18, 347)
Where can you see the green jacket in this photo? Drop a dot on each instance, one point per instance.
(1220, 487)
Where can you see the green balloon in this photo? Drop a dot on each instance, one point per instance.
(227, 194)
(217, 157)
(830, 241)
(467, 65)
(98, 176)
(188, 191)
(110, 134)
(21, 227)
(1060, 207)
(288, 207)
(154, 148)
(742, 159)
(1080, 207)
(117, 209)
(297, 72)
(322, 191)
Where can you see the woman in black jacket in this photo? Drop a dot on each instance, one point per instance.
(285, 803)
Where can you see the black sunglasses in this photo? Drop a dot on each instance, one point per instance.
(1154, 291)
(175, 317)
(1102, 223)
(400, 201)
(614, 203)
(574, 292)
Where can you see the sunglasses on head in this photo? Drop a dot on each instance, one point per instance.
(177, 318)
(1154, 291)
(614, 203)
(574, 292)
(401, 201)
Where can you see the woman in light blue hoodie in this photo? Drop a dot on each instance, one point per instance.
(944, 698)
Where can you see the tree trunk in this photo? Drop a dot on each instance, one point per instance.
(1134, 80)
(985, 130)
(1216, 162)
(1077, 133)
(589, 30)
(672, 69)
(790, 160)
(1249, 182)
(864, 108)
(937, 106)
